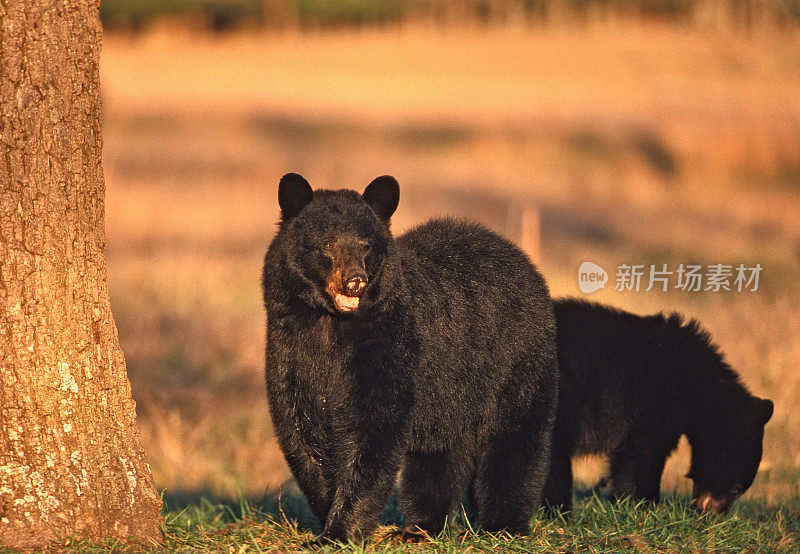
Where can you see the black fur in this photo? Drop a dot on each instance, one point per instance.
(445, 371)
(631, 385)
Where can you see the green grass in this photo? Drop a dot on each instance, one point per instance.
(597, 525)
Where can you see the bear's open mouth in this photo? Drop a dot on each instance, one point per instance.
(341, 302)
(345, 303)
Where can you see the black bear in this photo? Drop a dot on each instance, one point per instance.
(432, 355)
(630, 386)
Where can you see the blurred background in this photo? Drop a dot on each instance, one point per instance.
(612, 131)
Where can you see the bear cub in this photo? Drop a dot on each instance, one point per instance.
(630, 386)
(431, 355)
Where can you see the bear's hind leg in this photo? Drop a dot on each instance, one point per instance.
(557, 497)
(509, 480)
(431, 487)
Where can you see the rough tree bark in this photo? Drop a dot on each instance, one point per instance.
(70, 456)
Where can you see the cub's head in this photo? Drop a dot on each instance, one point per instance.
(724, 468)
(338, 242)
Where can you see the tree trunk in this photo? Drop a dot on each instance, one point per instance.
(70, 456)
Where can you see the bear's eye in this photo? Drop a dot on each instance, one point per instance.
(328, 244)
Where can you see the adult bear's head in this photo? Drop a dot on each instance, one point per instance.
(337, 244)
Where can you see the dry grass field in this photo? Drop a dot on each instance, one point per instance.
(634, 144)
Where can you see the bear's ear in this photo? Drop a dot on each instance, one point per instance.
(294, 193)
(383, 195)
(764, 409)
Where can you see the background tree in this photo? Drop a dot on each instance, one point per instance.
(70, 456)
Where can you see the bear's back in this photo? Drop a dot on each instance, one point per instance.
(481, 313)
(473, 271)
(462, 251)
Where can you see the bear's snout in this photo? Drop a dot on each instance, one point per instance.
(355, 285)
(708, 502)
(346, 285)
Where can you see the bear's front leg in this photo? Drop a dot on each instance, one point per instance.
(308, 475)
(303, 442)
(368, 474)
(357, 505)
(367, 461)
(636, 468)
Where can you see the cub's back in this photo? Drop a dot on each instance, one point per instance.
(621, 371)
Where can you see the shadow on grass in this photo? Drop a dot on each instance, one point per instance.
(203, 508)
(286, 505)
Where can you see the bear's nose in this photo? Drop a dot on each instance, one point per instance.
(355, 285)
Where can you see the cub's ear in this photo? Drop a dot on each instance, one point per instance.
(383, 195)
(764, 409)
(294, 193)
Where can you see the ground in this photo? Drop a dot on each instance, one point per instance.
(597, 526)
